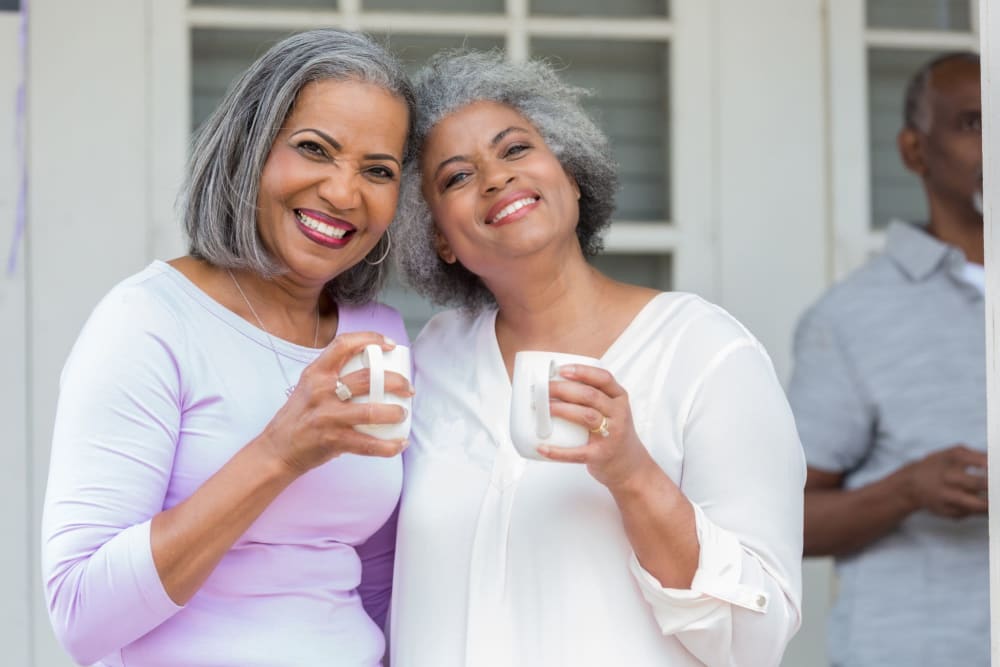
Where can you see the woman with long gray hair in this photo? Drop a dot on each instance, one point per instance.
(672, 534)
(209, 500)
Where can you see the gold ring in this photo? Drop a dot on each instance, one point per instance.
(603, 428)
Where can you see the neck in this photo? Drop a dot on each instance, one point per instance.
(959, 225)
(286, 309)
(548, 305)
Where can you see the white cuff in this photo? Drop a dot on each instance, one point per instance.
(715, 586)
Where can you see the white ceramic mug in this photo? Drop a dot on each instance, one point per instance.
(531, 421)
(378, 362)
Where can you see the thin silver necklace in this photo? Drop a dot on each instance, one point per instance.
(270, 339)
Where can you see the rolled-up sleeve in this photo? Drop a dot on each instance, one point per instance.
(743, 473)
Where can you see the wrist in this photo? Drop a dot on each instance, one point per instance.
(269, 459)
(907, 488)
(637, 480)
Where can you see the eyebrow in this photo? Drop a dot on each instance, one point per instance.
(493, 142)
(339, 147)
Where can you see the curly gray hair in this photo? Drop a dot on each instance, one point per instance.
(454, 79)
(219, 199)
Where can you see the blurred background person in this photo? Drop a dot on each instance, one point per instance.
(889, 394)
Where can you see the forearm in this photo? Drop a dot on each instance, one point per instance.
(660, 525)
(189, 539)
(839, 521)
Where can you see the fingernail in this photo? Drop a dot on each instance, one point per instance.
(568, 368)
(412, 390)
(406, 413)
(404, 444)
(543, 450)
(389, 341)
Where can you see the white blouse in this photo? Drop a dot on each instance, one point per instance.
(510, 562)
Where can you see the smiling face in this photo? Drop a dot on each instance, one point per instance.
(494, 188)
(329, 187)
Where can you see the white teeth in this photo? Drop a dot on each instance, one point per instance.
(321, 227)
(511, 208)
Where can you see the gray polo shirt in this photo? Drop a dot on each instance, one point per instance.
(890, 366)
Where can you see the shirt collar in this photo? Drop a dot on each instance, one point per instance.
(918, 253)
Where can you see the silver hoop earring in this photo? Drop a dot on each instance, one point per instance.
(388, 245)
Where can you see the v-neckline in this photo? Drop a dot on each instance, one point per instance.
(490, 345)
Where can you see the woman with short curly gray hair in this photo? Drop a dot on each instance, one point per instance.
(659, 521)
(553, 107)
(199, 511)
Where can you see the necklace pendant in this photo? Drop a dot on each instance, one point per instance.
(289, 390)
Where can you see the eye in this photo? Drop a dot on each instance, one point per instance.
(455, 179)
(311, 148)
(382, 172)
(516, 149)
(973, 122)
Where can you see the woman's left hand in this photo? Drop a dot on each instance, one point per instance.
(588, 396)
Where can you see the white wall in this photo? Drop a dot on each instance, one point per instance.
(990, 23)
(772, 253)
(89, 205)
(15, 624)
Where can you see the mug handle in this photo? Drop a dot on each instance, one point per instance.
(374, 361)
(540, 403)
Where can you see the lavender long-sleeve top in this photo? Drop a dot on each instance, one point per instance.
(163, 386)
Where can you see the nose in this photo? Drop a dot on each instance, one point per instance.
(339, 188)
(497, 177)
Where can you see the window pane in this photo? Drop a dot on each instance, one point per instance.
(10, 5)
(920, 14)
(218, 56)
(630, 102)
(622, 8)
(896, 193)
(269, 4)
(414, 50)
(455, 6)
(415, 309)
(648, 270)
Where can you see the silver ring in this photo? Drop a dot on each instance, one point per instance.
(343, 391)
(603, 428)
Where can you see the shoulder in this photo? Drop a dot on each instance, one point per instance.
(451, 328)
(147, 300)
(373, 316)
(698, 324)
(140, 321)
(860, 290)
(868, 299)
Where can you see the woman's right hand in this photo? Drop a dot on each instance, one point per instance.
(315, 425)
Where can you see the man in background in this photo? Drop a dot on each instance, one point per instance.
(889, 394)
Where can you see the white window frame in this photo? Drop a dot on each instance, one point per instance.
(689, 238)
(853, 237)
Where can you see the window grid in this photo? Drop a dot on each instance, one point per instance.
(851, 42)
(516, 26)
(918, 40)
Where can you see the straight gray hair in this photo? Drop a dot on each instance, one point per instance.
(219, 199)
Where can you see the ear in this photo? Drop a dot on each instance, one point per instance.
(572, 181)
(911, 150)
(443, 248)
